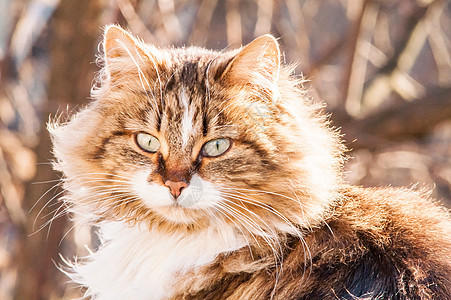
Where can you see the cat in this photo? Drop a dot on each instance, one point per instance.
(213, 175)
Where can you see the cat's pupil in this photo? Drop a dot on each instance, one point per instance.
(216, 147)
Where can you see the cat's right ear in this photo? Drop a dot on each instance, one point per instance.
(123, 53)
(258, 62)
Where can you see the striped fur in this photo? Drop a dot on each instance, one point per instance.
(270, 218)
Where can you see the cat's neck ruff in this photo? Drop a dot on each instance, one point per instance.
(135, 262)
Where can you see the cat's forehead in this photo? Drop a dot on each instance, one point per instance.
(190, 67)
(187, 113)
(181, 103)
(183, 58)
(188, 82)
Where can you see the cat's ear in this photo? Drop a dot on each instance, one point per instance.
(123, 52)
(258, 60)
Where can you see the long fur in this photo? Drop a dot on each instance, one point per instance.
(269, 218)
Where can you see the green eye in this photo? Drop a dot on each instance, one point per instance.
(147, 142)
(216, 147)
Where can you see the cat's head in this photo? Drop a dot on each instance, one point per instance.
(188, 136)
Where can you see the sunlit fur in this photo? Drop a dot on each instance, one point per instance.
(249, 208)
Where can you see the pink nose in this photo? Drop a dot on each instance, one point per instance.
(176, 187)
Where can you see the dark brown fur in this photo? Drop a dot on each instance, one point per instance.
(308, 235)
(374, 244)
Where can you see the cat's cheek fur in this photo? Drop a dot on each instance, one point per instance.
(276, 197)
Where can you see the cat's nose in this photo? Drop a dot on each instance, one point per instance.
(176, 187)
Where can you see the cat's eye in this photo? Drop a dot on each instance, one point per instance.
(216, 147)
(147, 142)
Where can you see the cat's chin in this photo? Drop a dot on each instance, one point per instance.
(178, 214)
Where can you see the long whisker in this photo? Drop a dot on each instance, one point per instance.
(242, 219)
(278, 255)
(43, 195)
(221, 213)
(242, 197)
(227, 199)
(260, 191)
(267, 239)
(266, 207)
(92, 194)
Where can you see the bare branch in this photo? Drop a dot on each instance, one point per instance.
(405, 121)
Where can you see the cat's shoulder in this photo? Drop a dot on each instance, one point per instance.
(397, 244)
(387, 211)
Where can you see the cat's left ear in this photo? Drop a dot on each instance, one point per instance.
(123, 52)
(258, 60)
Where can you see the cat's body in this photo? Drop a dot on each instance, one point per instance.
(211, 176)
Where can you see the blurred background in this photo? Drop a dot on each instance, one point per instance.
(383, 68)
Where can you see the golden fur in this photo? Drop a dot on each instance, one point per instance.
(278, 187)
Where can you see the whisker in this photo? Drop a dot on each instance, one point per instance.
(67, 233)
(43, 195)
(278, 255)
(47, 181)
(241, 231)
(266, 207)
(254, 225)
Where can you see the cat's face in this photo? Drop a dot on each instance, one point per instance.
(190, 136)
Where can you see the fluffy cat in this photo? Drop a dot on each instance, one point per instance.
(210, 175)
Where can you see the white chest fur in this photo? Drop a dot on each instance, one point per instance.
(135, 263)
